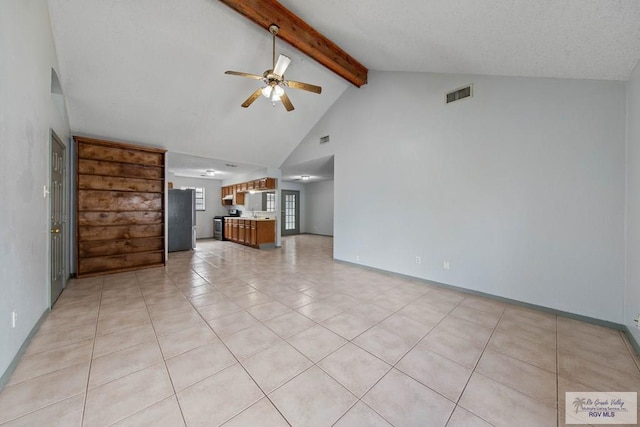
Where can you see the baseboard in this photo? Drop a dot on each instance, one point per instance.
(632, 340)
(580, 317)
(4, 379)
(317, 234)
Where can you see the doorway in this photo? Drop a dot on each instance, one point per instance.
(290, 212)
(58, 218)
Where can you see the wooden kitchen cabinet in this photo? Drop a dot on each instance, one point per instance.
(238, 198)
(265, 233)
(251, 232)
(237, 191)
(266, 184)
(253, 236)
(227, 229)
(234, 230)
(241, 231)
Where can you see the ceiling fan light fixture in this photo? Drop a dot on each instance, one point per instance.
(210, 172)
(276, 93)
(273, 79)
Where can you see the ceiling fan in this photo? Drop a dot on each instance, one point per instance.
(274, 81)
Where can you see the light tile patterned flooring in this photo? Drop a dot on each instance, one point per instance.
(235, 336)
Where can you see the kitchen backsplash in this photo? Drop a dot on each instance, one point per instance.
(258, 214)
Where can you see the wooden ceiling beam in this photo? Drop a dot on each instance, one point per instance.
(302, 36)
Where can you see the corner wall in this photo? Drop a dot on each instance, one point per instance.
(319, 207)
(27, 114)
(632, 294)
(520, 188)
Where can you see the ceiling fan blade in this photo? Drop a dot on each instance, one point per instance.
(304, 86)
(281, 65)
(252, 98)
(241, 74)
(286, 102)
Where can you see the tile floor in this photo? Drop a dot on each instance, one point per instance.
(228, 335)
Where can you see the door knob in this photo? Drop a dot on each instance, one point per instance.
(55, 230)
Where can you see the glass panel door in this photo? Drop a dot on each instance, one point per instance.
(290, 212)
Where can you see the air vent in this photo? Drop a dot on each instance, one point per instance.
(458, 94)
(324, 139)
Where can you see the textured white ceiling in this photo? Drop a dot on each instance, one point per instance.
(320, 169)
(189, 166)
(581, 39)
(152, 72)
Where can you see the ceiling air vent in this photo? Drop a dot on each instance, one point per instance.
(458, 94)
(324, 139)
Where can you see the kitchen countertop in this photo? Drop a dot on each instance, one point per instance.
(249, 218)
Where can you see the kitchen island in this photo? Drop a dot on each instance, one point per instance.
(258, 233)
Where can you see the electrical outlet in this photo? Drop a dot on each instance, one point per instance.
(357, 257)
(418, 260)
(14, 319)
(637, 320)
(445, 265)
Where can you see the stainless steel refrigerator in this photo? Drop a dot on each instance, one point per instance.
(182, 220)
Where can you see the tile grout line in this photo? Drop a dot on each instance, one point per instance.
(314, 364)
(238, 362)
(473, 371)
(95, 336)
(393, 366)
(164, 361)
(249, 374)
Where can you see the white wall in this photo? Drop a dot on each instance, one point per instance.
(520, 189)
(27, 113)
(212, 204)
(319, 208)
(632, 297)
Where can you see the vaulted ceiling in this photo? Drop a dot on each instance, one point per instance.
(153, 72)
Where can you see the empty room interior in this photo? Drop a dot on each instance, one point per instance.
(263, 213)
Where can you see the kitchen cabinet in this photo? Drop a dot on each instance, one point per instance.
(237, 191)
(227, 229)
(241, 231)
(253, 235)
(234, 230)
(266, 184)
(257, 233)
(238, 198)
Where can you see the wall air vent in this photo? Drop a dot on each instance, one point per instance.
(458, 94)
(324, 139)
